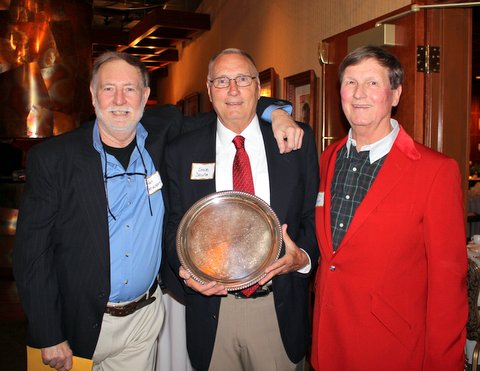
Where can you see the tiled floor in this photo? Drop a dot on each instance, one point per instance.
(12, 327)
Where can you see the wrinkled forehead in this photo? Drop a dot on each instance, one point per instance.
(232, 65)
(118, 72)
(367, 66)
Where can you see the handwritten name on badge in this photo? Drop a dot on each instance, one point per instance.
(320, 199)
(154, 183)
(202, 171)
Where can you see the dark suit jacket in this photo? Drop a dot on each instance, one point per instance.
(293, 189)
(61, 258)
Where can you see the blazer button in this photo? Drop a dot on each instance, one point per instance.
(214, 317)
(332, 268)
(95, 325)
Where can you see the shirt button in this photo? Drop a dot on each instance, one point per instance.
(347, 197)
(341, 225)
(125, 282)
(127, 254)
(332, 268)
(127, 226)
(354, 169)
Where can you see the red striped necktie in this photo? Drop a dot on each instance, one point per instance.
(243, 181)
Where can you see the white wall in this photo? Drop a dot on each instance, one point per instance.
(283, 34)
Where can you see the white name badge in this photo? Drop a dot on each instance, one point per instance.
(202, 171)
(154, 183)
(320, 199)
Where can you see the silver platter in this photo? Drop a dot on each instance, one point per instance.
(229, 237)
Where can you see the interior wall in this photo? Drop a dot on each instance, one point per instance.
(282, 34)
(475, 131)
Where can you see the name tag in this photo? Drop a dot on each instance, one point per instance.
(320, 199)
(202, 171)
(153, 183)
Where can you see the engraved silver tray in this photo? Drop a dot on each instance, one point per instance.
(229, 237)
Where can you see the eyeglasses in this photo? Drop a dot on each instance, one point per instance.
(106, 177)
(223, 82)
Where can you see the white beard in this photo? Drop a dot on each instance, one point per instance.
(111, 126)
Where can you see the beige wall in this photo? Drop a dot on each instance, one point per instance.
(283, 34)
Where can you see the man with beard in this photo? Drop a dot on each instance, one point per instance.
(89, 234)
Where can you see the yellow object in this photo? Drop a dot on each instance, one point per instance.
(35, 363)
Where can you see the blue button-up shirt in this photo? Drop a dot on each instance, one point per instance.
(135, 234)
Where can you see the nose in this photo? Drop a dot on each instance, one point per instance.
(232, 87)
(119, 97)
(359, 92)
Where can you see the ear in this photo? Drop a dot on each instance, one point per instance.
(396, 95)
(146, 93)
(93, 95)
(259, 88)
(209, 86)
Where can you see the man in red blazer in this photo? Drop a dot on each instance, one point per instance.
(390, 288)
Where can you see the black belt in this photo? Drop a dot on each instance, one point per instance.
(258, 293)
(125, 310)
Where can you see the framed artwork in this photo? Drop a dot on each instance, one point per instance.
(191, 104)
(301, 90)
(267, 82)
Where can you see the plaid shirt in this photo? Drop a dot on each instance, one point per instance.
(351, 181)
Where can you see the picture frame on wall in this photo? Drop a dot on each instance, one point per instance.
(267, 80)
(301, 90)
(191, 104)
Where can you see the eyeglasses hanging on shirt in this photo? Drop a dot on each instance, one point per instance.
(144, 175)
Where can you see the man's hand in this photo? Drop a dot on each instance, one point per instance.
(209, 289)
(288, 134)
(293, 260)
(58, 356)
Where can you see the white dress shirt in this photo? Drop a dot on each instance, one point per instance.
(225, 153)
(255, 148)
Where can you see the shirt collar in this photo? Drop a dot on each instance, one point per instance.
(381, 147)
(141, 137)
(251, 133)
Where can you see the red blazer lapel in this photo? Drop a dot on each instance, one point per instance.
(327, 169)
(401, 157)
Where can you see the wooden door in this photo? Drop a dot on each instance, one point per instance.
(434, 107)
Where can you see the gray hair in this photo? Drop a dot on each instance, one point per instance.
(383, 57)
(230, 51)
(113, 56)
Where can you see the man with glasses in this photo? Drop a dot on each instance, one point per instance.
(89, 234)
(265, 327)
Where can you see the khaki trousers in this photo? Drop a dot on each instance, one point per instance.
(130, 343)
(248, 337)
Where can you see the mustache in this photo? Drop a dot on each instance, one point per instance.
(119, 108)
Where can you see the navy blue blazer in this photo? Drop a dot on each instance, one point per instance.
(293, 190)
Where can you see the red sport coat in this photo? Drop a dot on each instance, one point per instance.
(394, 296)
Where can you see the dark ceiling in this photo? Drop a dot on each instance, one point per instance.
(148, 29)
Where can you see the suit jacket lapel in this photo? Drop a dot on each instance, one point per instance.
(90, 190)
(327, 182)
(398, 161)
(276, 171)
(206, 154)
